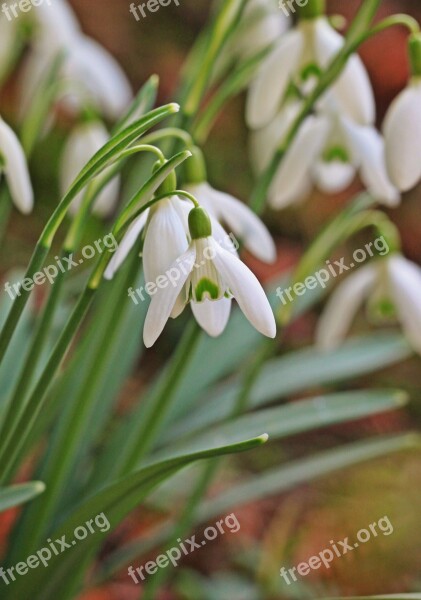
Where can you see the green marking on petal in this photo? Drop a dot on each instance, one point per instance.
(336, 153)
(311, 70)
(207, 287)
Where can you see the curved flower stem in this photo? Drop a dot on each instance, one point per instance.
(166, 132)
(160, 401)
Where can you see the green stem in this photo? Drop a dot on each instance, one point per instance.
(17, 436)
(5, 209)
(63, 454)
(174, 132)
(187, 517)
(225, 23)
(19, 303)
(160, 401)
(312, 9)
(33, 356)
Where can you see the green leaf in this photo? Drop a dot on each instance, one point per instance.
(393, 597)
(297, 372)
(287, 477)
(258, 487)
(115, 502)
(144, 102)
(15, 495)
(294, 418)
(102, 159)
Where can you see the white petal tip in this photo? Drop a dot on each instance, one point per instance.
(174, 107)
(263, 438)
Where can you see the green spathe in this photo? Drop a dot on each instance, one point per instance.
(199, 224)
(312, 9)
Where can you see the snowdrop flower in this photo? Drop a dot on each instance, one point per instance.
(328, 151)
(90, 72)
(84, 141)
(392, 285)
(402, 127)
(242, 221)
(299, 58)
(262, 24)
(14, 167)
(209, 275)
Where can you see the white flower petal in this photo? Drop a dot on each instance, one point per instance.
(91, 65)
(327, 41)
(266, 140)
(292, 177)
(245, 224)
(212, 316)
(165, 240)
(163, 301)
(402, 131)
(368, 150)
(268, 89)
(57, 23)
(15, 169)
(334, 176)
(342, 307)
(353, 89)
(83, 142)
(405, 286)
(354, 92)
(246, 289)
(126, 245)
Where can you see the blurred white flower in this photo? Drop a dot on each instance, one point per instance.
(262, 24)
(393, 287)
(209, 276)
(402, 131)
(83, 142)
(240, 220)
(300, 57)
(15, 169)
(90, 73)
(328, 151)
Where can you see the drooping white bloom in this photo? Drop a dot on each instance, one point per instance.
(328, 151)
(299, 57)
(402, 131)
(392, 286)
(84, 141)
(90, 73)
(209, 276)
(14, 167)
(262, 24)
(240, 220)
